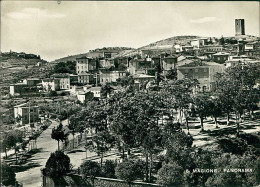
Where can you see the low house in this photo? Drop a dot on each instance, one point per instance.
(51, 84)
(107, 76)
(197, 43)
(220, 57)
(85, 96)
(64, 80)
(28, 86)
(31, 81)
(17, 89)
(86, 78)
(96, 91)
(26, 113)
(169, 63)
(140, 66)
(204, 72)
(141, 78)
(235, 60)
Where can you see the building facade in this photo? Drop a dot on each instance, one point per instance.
(26, 113)
(51, 84)
(220, 57)
(85, 64)
(110, 76)
(204, 72)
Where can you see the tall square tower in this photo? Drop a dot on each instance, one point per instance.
(240, 27)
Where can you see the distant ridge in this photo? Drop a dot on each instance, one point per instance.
(182, 40)
(92, 53)
(164, 43)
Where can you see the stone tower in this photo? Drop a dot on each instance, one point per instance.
(240, 27)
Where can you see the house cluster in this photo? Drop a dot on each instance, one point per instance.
(198, 58)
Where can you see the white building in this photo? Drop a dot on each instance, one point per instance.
(51, 84)
(26, 113)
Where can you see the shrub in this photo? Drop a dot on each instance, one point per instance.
(130, 170)
(57, 165)
(109, 169)
(91, 169)
(232, 145)
(170, 175)
(7, 175)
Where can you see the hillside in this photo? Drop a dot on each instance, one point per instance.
(125, 51)
(93, 53)
(14, 59)
(165, 43)
(183, 40)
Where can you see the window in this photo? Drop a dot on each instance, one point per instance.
(205, 70)
(196, 70)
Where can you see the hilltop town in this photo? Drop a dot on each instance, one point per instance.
(165, 114)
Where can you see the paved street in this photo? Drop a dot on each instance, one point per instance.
(32, 177)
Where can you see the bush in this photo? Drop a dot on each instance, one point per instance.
(235, 179)
(170, 175)
(252, 139)
(91, 169)
(109, 169)
(53, 94)
(7, 175)
(57, 165)
(130, 170)
(233, 145)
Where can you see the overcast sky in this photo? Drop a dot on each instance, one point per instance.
(55, 31)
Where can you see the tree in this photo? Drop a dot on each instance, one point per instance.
(102, 142)
(178, 94)
(201, 107)
(57, 165)
(129, 170)
(106, 90)
(91, 169)
(170, 175)
(65, 67)
(228, 161)
(58, 134)
(215, 108)
(73, 122)
(11, 138)
(7, 175)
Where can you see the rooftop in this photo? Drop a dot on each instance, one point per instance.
(25, 105)
(142, 76)
(220, 53)
(95, 89)
(84, 57)
(201, 63)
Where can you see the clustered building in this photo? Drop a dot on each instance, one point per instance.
(198, 58)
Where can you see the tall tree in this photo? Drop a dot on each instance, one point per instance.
(201, 107)
(58, 134)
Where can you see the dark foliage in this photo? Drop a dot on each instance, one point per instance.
(57, 165)
(65, 67)
(7, 175)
